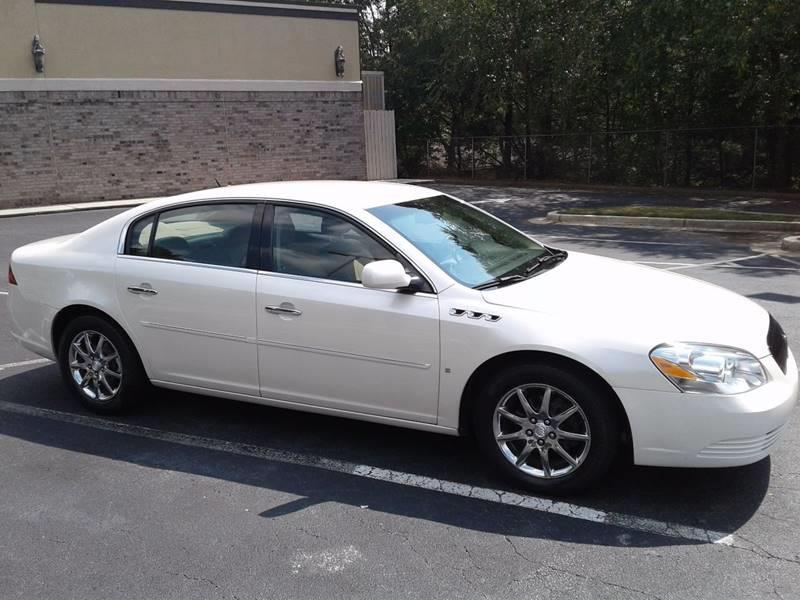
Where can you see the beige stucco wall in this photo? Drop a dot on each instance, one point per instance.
(110, 42)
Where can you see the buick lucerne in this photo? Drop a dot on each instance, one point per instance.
(401, 305)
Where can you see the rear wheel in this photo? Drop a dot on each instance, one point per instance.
(100, 365)
(546, 428)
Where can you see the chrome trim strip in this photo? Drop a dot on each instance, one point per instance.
(349, 284)
(212, 334)
(340, 354)
(187, 263)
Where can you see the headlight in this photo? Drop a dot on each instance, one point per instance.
(705, 369)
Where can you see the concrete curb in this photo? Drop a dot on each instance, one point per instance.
(664, 222)
(61, 208)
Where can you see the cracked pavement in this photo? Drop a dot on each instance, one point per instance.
(104, 513)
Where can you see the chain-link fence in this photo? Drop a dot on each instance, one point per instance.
(736, 157)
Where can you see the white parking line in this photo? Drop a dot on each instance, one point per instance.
(24, 363)
(724, 262)
(533, 503)
(3, 293)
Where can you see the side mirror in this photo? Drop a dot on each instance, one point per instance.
(385, 275)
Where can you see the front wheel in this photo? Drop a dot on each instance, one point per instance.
(546, 428)
(100, 366)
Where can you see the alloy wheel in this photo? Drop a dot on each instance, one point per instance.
(542, 431)
(95, 366)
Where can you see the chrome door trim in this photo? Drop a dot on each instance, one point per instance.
(187, 263)
(283, 310)
(135, 289)
(342, 283)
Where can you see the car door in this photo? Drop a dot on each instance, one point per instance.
(327, 341)
(186, 285)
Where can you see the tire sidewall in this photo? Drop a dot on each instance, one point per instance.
(593, 400)
(132, 372)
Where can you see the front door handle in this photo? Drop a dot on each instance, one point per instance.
(283, 310)
(142, 289)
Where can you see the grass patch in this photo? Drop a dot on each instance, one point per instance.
(680, 212)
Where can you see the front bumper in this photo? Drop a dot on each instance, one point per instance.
(673, 429)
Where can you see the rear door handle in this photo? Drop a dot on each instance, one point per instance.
(283, 310)
(142, 290)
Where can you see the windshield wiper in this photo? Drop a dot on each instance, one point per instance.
(546, 261)
(499, 282)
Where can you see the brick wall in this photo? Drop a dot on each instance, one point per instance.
(81, 146)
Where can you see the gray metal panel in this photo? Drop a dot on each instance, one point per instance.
(374, 96)
(381, 147)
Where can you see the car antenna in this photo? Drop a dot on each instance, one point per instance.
(218, 183)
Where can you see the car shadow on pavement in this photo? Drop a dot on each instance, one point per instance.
(720, 500)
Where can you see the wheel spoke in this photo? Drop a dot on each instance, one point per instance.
(516, 435)
(523, 456)
(543, 453)
(565, 455)
(523, 401)
(545, 408)
(569, 435)
(105, 383)
(88, 339)
(116, 374)
(79, 350)
(85, 380)
(511, 416)
(566, 414)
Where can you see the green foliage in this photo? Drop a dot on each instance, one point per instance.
(515, 67)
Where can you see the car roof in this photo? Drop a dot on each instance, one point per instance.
(345, 195)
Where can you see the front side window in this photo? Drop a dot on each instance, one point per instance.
(213, 234)
(322, 245)
(468, 245)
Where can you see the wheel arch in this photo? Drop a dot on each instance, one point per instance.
(502, 361)
(72, 312)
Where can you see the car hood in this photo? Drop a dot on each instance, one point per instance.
(640, 304)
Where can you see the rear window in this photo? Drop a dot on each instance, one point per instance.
(214, 234)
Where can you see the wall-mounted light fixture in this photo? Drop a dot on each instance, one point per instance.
(38, 53)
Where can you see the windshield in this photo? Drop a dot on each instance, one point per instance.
(470, 246)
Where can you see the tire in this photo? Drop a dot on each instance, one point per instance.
(589, 434)
(113, 378)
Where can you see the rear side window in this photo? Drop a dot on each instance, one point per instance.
(139, 237)
(213, 234)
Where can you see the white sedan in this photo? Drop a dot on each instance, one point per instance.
(402, 305)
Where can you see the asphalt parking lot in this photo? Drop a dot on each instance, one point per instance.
(195, 497)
